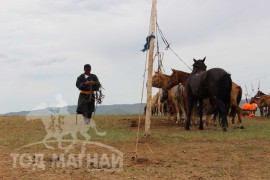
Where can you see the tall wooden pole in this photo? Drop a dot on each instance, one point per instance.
(150, 70)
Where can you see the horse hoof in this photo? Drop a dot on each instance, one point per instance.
(187, 128)
(200, 128)
(225, 129)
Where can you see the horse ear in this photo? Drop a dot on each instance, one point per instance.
(204, 58)
(194, 60)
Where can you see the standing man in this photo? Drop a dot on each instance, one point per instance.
(87, 83)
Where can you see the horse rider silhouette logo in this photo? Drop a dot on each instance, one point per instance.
(58, 122)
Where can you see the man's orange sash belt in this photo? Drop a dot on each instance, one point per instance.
(86, 92)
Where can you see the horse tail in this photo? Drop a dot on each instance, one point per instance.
(225, 87)
(238, 99)
(239, 95)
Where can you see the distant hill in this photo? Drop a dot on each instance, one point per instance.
(116, 109)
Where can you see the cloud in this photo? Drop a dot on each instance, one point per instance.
(44, 44)
(47, 61)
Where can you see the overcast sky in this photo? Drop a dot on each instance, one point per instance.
(45, 43)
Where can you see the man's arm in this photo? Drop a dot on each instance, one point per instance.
(96, 85)
(78, 82)
(81, 84)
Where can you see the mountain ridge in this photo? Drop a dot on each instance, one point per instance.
(115, 109)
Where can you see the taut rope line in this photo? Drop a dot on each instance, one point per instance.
(138, 129)
(168, 46)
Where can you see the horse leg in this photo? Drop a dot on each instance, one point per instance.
(177, 108)
(215, 119)
(190, 107)
(223, 112)
(239, 114)
(208, 118)
(233, 113)
(233, 117)
(214, 110)
(201, 113)
(183, 111)
(238, 111)
(177, 117)
(261, 111)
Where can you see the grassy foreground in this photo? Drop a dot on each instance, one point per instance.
(170, 151)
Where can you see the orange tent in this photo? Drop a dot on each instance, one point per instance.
(252, 107)
(249, 107)
(246, 106)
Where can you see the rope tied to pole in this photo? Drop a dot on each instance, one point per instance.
(138, 129)
(167, 44)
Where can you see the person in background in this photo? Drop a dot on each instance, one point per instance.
(87, 83)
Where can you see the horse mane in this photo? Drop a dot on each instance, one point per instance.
(259, 93)
(161, 74)
(185, 73)
(182, 75)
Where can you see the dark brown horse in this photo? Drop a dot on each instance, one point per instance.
(215, 84)
(236, 93)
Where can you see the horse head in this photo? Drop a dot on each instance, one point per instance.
(156, 80)
(199, 64)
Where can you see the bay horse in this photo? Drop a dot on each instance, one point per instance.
(215, 84)
(260, 99)
(259, 94)
(160, 80)
(266, 102)
(175, 94)
(155, 104)
(236, 96)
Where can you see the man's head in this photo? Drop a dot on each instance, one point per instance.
(87, 69)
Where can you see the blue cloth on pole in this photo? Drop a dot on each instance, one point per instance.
(147, 45)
